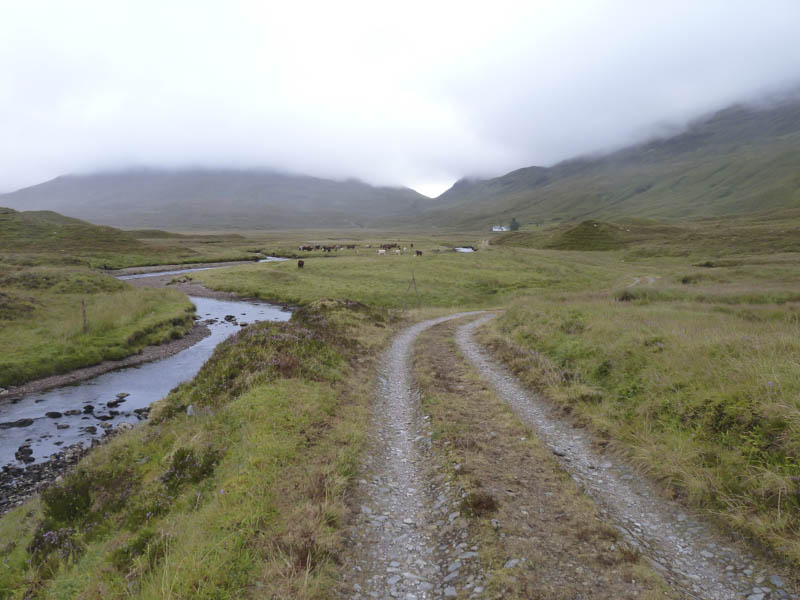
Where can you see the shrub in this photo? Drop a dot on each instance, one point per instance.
(187, 466)
(69, 502)
(479, 503)
(48, 541)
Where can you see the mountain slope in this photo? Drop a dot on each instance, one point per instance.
(212, 199)
(740, 160)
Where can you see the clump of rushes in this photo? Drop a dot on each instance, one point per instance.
(245, 493)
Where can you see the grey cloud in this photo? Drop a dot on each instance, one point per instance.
(419, 94)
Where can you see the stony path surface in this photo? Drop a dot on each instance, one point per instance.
(408, 540)
(696, 561)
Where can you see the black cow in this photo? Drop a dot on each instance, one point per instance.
(300, 264)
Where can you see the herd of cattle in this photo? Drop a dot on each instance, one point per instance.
(310, 248)
(381, 250)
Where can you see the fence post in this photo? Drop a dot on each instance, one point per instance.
(416, 291)
(85, 320)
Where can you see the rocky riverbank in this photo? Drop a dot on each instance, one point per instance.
(17, 484)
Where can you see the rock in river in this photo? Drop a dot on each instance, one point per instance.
(20, 423)
(53, 414)
(24, 453)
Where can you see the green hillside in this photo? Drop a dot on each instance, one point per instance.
(740, 160)
(32, 238)
(47, 231)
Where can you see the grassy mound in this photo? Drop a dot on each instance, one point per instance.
(590, 235)
(47, 231)
(707, 240)
(32, 238)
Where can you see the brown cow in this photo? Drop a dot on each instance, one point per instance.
(418, 252)
(300, 264)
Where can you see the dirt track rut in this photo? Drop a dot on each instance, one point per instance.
(408, 540)
(696, 561)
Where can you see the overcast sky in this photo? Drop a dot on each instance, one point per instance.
(399, 93)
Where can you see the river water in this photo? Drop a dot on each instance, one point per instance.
(181, 271)
(144, 384)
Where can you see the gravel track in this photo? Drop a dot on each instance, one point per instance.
(408, 540)
(695, 560)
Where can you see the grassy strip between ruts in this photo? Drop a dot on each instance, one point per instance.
(243, 498)
(704, 397)
(518, 500)
(41, 319)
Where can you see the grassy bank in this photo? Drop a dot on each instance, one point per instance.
(242, 499)
(702, 394)
(41, 318)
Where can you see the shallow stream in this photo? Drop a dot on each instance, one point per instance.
(88, 401)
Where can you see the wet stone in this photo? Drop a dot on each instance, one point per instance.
(18, 423)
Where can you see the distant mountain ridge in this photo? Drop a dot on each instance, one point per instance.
(743, 159)
(217, 199)
(739, 160)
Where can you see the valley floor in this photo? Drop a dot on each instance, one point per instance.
(676, 369)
